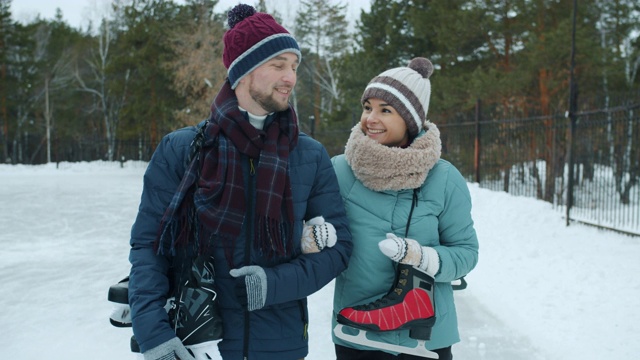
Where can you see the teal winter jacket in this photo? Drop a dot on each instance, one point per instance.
(441, 220)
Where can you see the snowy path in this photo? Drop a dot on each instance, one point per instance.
(536, 294)
(484, 336)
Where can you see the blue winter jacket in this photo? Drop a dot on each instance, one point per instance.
(279, 329)
(441, 220)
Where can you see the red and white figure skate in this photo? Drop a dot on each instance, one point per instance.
(408, 305)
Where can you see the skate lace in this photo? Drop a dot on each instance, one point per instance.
(389, 299)
(393, 295)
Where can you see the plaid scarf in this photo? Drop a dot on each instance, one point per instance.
(210, 200)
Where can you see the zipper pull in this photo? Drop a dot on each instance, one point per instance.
(252, 168)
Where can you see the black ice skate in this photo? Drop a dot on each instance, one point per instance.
(194, 315)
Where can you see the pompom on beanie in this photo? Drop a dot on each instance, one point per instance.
(407, 89)
(253, 38)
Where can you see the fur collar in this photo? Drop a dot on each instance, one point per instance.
(381, 167)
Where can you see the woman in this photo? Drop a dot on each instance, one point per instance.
(410, 219)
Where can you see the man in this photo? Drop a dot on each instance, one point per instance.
(251, 192)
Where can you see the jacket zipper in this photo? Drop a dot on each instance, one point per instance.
(305, 321)
(247, 249)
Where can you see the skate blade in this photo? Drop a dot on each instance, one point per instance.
(120, 315)
(204, 351)
(362, 339)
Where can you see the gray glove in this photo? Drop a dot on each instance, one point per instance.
(168, 350)
(252, 290)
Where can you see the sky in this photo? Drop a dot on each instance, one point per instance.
(78, 13)
(541, 290)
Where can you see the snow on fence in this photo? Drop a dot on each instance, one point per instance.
(531, 157)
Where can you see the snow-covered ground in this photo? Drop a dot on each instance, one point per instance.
(541, 290)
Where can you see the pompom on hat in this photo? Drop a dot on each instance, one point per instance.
(407, 89)
(252, 39)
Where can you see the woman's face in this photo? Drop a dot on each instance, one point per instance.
(382, 123)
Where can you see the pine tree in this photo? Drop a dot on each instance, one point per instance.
(6, 34)
(144, 49)
(321, 30)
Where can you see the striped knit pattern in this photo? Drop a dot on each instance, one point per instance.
(260, 53)
(407, 89)
(401, 98)
(253, 38)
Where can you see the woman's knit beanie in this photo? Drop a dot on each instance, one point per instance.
(407, 89)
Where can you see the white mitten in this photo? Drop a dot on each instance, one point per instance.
(316, 235)
(408, 251)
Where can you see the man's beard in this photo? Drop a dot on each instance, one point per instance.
(266, 101)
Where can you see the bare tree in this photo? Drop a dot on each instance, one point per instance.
(322, 27)
(55, 78)
(618, 31)
(109, 102)
(57, 74)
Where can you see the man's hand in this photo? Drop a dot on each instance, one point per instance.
(251, 286)
(168, 350)
(316, 235)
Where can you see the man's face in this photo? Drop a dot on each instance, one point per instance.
(271, 84)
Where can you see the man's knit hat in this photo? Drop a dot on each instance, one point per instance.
(407, 89)
(252, 39)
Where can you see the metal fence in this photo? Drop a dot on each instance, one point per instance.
(533, 157)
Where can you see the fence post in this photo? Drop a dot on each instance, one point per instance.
(312, 125)
(573, 94)
(476, 154)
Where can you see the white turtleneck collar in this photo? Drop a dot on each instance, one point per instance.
(256, 120)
